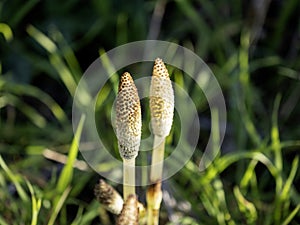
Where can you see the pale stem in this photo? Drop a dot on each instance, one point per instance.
(150, 217)
(128, 177)
(157, 159)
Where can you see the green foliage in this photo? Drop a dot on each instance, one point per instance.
(253, 51)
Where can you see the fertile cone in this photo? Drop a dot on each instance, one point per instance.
(161, 100)
(128, 118)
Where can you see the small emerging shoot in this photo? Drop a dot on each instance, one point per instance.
(130, 212)
(108, 197)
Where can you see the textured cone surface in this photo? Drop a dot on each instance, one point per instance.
(109, 197)
(161, 100)
(128, 118)
(130, 213)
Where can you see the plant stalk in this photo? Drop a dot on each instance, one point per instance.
(154, 192)
(154, 198)
(128, 177)
(157, 159)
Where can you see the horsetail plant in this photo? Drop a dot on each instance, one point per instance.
(130, 212)
(161, 109)
(108, 197)
(128, 130)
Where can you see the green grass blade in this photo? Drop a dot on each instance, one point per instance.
(231, 158)
(6, 31)
(288, 72)
(59, 205)
(275, 136)
(64, 73)
(67, 53)
(291, 216)
(78, 217)
(42, 39)
(91, 213)
(36, 205)
(287, 187)
(221, 199)
(248, 174)
(244, 77)
(55, 59)
(246, 207)
(66, 175)
(15, 179)
(2, 221)
(114, 78)
(277, 160)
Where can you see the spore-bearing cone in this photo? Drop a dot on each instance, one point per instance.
(161, 100)
(128, 118)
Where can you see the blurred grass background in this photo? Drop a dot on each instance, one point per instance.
(251, 46)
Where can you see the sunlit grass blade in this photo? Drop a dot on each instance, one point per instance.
(57, 207)
(277, 160)
(55, 59)
(275, 138)
(67, 53)
(220, 199)
(78, 216)
(246, 207)
(287, 186)
(109, 67)
(90, 214)
(244, 78)
(6, 31)
(2, 221)
(66, 175)
(289, 219)
(16, 179)
(36, 204)
(228, 159)
(249, 173)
